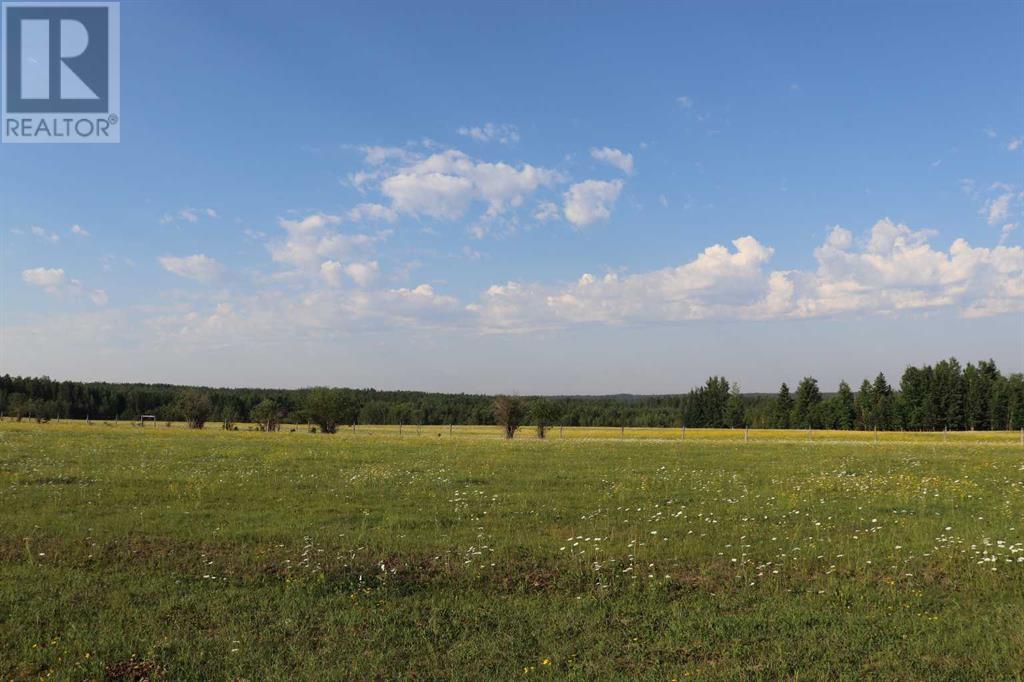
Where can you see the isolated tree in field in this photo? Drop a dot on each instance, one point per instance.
(805, 407)
(783, 408)
(267, 414)
(509, 412)
(194, 408)
(543, 413)
(329, 407)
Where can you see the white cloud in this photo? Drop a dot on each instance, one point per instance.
(48, 279)
(685, 102)
(503, 133)
(309, 243)
(331, 271)
(80, 231)
(189, 215)
(1015, 144)
(998, 210)
(433, 194)
(198, 267)
(310, 223)
(54, 281)
(547, 211)
(372, 212)
(375, 155)
(614, 157)
(361, 179)
(44, 235)
(894, 270)
(363, 274)
(444, 185)
(591, 200)
(1005, 233)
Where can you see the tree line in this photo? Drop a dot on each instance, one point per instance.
(943, 396)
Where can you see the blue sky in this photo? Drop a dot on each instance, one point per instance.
(569, 198)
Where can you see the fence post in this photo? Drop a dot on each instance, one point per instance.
(808, 433)
(746, 434)
(876, 435)
(560, 427)
(683, 436)
(1022, 436)
(451, 427)
(622, 432)
(399, 428)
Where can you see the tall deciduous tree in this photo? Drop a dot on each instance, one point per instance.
(194, 407)
(267, 414)
(543, 413)
(329, 407)
(509, 413)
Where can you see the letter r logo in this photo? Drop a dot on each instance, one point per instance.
(57, 59)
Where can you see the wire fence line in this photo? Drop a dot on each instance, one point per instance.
(597, 433)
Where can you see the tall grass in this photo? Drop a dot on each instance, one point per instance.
(368, 555)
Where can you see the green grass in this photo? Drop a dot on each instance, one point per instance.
(240, 555)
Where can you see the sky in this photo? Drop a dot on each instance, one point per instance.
(534, 198)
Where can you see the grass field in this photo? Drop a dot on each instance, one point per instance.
(128, 553)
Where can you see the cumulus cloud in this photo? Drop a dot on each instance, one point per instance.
(503, 133)
(80, 231)
(363, 274)
(615, 157)
(48, 279)
(55, 281)
(590, 201)
(894, 269)
(685, 102)
(372, 213)
(309, 242)
(331, 271)
(198, 267)
(444, 185)
(1015, 144)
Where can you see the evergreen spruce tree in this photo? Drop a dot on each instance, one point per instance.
(783, 408)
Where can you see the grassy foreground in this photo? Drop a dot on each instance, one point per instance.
(132, 553)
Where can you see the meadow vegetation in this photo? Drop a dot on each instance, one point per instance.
(136, 553)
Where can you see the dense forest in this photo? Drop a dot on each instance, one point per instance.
(929, 398)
